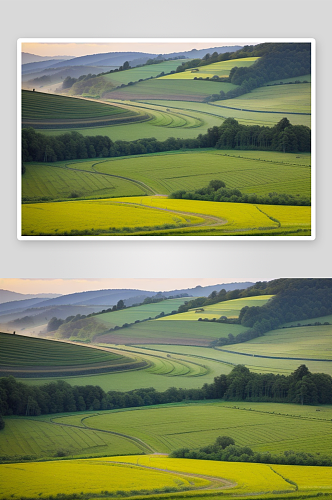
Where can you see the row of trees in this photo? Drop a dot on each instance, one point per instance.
(224, 449)
(301, 387)
(230, 135)
(221, 194)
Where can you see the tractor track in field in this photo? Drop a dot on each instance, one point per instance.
(216, 483)
(94, 172)
(142, 445)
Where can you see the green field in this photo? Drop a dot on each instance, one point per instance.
(221, 69)
(229, 308)
(312, 342)
(28, 355)
(172, 332)
(273, 427)
(161, 88)
(55, 182)
(24, 437)
(136, 74)
(39, 109)
(260, 172)
(227, 359)
(209, 111)
(280, 98)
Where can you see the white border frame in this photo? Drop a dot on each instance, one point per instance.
(246, 41)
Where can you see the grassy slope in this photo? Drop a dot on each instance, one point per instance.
(229, 308)
(270, 427)
(22, 437)
(259, 172)
(17, 350)
(39, 106)
(305, 342)
(206, 110)
(144, 311)
(282, 98)
(42, 182)
(135, 74)
(221, 68)
(186, 90)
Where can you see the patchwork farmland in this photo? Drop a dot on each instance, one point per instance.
(153, 130)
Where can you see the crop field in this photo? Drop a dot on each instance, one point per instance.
(312, 342)
(96, 217)
(142, 312)
(43, 479)
(221, 68)
(39, 109)
(160, 88)
(229, 308)
(208, 111)
(263, 427)
(249, 171)
(303, 78)
(279, 98)
(59, 181)
(28, 356)
(248, 478)
(158, 216)
(188, 332)
(24, 437)
(136, 74)
(225, 359)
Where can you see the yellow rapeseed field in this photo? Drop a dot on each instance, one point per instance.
(237, 215)
(288, 216)
(247, 478)
(50, 218)
(87, 476)
(307, 478)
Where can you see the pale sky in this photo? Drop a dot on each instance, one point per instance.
(82, 49)
(65, 286)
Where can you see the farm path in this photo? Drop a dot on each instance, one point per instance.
(210, 220)
(216, 483)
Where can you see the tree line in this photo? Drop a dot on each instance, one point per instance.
(301, 387)
(230, 135)
(224, 449)
(217, 191)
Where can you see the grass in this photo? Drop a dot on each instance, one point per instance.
(306, 342)
(229, 308)
(221, 69)
(141, 312)
(261, 426)
(53, 182)
(20, 351)
(173, 332)
(39, 108)
(24, 437)
(281, 98)
(259, 172)
(160, 88)
(215, 109)
(252, 172)
(225, 360)
(135, 74)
